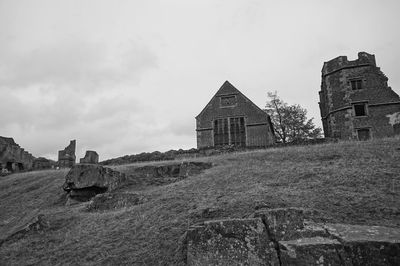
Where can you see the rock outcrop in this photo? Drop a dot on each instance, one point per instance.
(165, 174)
(230, 242)
(288, 237)
(90, 157)
(84, 181)
(32, 220)
(66, 157)
(114, 201)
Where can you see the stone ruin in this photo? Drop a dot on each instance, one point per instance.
(91, 157)
(287, 236)
(13, 158)
(356, 101)
(66, 157)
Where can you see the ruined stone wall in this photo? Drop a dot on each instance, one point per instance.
(338, 98)
(66, 157)
(13, 158)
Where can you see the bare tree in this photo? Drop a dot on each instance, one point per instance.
(290, 121)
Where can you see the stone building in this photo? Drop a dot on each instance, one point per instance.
(230, 118)
(355, 100)
(66, 157)
(13, 158)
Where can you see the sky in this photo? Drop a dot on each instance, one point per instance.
(124, 77)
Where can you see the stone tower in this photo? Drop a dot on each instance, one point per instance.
(66, 157)
(355, 100)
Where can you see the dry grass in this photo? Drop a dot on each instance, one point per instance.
(351, 182)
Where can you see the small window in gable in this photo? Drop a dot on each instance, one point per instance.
(363, 134)
(360, 109)
(228, 100)
(356, 84)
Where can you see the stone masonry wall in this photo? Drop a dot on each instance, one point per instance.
(337, 98)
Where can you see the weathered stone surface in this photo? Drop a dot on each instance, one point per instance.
(289, 223)
(165, 174)
(111, 201)
(84, 181)
(66, 157)
(13, 158)
(296, 241)
(312, 251)
(90, 157)
(368, 245)
(351, 85)
(22, 224)
(230, 242)
(43, 163)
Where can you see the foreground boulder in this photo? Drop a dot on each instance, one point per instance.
(85, 181)
(230, 242)
(288, 236)
(368, 245)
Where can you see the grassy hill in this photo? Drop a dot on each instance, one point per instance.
(347, 182)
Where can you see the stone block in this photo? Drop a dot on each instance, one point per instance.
(368, 245)
(230, 242)
(313, 251)
(289, 223)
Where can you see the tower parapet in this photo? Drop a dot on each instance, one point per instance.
(341, 62)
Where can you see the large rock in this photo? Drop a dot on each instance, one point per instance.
(296, 238)
(90, 157)
(230, 242)
(368, 245)
(289, 223)
(312, 251)
(84, 181)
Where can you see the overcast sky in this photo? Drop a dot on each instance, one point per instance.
(123, 77)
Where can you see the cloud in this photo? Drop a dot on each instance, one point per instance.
(77, 64)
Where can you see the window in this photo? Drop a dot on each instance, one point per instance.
(237, 131)
(356, 84)
(363, 134)
(228, 101)
(221, 132)
(229, 131)
(360, 109)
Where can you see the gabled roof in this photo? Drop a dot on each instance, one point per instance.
(226, 89)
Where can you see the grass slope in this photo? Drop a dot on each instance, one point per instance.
(348, 182)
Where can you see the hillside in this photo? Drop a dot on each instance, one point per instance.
(347, 182)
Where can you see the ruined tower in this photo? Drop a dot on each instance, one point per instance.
(66, 157)
(355, 100)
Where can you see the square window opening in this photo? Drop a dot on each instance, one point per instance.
(356, 84)
(228, 100)
(363, 134)
(360, 109)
